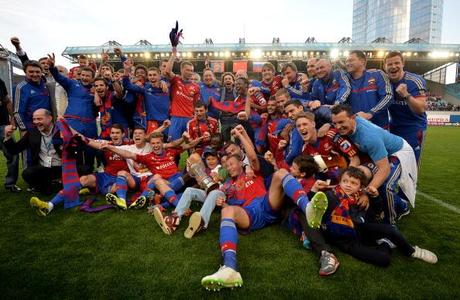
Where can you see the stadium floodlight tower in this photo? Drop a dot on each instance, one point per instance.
(8, 60)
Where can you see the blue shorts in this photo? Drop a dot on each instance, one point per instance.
(178, 126)
(414, 137)
(176, 182)
(104, 182)
(260, 213)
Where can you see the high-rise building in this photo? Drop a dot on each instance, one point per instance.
(426, 20)
(397, 21)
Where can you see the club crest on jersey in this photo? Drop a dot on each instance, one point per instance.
(345, 145)
(371, 81)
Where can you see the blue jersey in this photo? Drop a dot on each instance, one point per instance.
(403, 119)
(27, 98)
(295, 90)
(372, 93)
(331, 90)
(375, 141)
(80, 103)
(294, 148)
(156, 102)
(208, 92)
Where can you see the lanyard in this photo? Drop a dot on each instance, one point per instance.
(48, 145)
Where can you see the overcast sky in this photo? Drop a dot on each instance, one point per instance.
(50, 26)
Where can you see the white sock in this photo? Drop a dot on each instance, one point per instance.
(50, 206)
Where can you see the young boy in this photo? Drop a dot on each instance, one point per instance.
(343, 225)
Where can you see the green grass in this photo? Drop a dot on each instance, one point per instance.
(125, 255)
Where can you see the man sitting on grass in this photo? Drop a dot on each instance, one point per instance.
(161, 161)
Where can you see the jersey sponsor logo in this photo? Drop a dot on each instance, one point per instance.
(400, 102)
(180, 93)
(249, 183)
(115, 157)
(165, 165)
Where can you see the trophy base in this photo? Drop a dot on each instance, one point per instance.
(211, 188)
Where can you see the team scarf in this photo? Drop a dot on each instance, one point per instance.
(341, 221)
(70, 179)
(106, 116)
(233, 107)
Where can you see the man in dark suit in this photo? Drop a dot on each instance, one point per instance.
(44, 142)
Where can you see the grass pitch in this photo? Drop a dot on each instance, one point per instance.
(121, 255)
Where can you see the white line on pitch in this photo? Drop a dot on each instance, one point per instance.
(440, 202)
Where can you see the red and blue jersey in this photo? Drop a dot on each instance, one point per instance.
(372, 93)
(106, 115)
(331, 90)
(196, 128)
(270, 88)
(163, 164)
(403, 119)
(268, 133)
(332, 147)
(27, 98)
(184, 94)
(243, 190)
(114, 162)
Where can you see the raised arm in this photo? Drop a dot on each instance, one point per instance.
(415, 98)
(169, 66)
(127, 65)
(123, 153)
(65, 82)
(248, 146)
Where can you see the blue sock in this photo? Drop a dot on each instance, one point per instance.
(58, 198)
(228, 242)
(294, 190)
(122, 186)
(150, 187)
(171, 197)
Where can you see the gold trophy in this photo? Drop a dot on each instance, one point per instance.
(196, 169)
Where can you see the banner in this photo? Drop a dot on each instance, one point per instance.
(435, 119)
(217, 66)
(240, 65)
(257, 66)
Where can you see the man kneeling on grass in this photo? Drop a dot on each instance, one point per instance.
(344, 226)
(248, 206)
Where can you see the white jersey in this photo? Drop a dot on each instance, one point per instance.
(135, 168)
